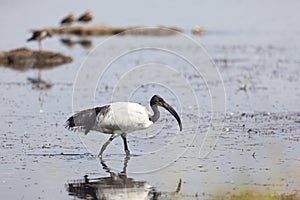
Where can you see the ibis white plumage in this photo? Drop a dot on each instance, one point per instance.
(119, 118)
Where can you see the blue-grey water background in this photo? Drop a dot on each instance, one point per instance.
(254, 44)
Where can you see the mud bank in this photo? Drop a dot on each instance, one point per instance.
(103, 30)
(24, 59)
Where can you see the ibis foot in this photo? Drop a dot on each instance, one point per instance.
(100, 157)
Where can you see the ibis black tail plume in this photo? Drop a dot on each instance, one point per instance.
(86, 119)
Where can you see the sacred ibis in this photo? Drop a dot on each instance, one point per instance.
(119, 118)
(39, 36)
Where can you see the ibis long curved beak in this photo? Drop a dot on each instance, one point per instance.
(174, 113)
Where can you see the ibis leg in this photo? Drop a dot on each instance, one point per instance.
(105, 145)
(126, 159)
(125, 144)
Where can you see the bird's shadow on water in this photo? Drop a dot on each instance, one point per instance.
(116, 185)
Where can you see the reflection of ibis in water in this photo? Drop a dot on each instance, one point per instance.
(117, 186)
(119, 118)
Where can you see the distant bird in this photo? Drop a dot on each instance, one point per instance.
(39, 36)
(119, 118)
(68, 20)
(197, 30)
(86, 17)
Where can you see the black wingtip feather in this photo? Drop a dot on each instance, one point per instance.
(70, 122)
(86, 119)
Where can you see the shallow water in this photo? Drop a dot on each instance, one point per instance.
(257, 149)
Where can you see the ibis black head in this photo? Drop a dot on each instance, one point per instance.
(157, 100)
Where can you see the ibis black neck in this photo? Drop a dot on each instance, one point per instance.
(156, 113)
